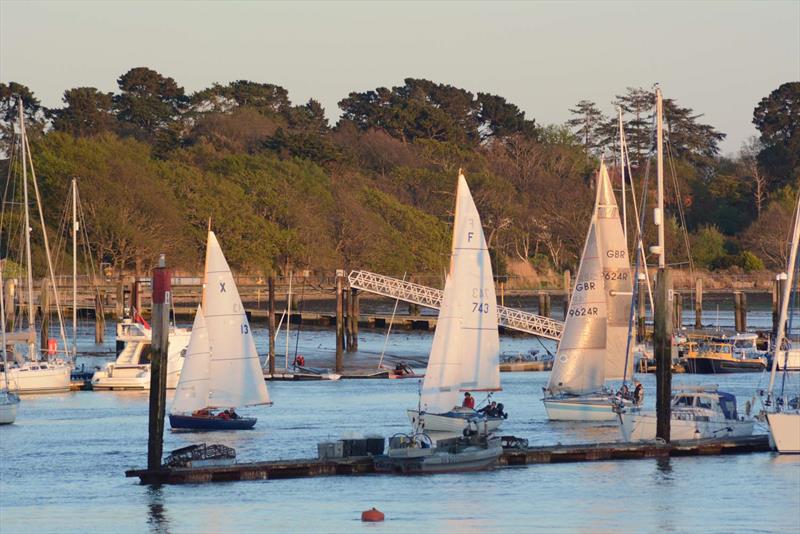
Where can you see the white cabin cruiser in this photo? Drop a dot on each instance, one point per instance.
(696, 413)
(131, 370)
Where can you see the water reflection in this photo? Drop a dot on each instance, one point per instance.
(156, 513)
(664, 468)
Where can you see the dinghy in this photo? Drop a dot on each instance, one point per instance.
(222, 370)
(593, 346)
(466, 346)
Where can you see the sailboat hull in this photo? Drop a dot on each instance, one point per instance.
(36, 377)
(454, 421)
(642, 427)
(580, 408)
(8, 408)
(187, 422)
(784, 432)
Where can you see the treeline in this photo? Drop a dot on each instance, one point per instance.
(283, 187)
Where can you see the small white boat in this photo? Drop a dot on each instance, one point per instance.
(696, 413)
(593, 346)
(131, 370)
(417, 453)
(465, 355)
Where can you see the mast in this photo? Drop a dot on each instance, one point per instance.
(32, 355)
(3, 331)
(659, 211)
(74, 268)
(288, 320)
(787, 291)
(622, 175)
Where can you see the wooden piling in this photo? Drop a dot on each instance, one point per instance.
(544, 304)
(677, 309)
(662, 346)
(641, 333)
(119, 304)
(339, 321)
(354, 318)
(44, 310)
(740, 311)
(99, 320)
(271, 356)
(698, 303)
(158, 363)
(136, 295)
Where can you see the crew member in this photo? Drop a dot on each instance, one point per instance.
(469, 401)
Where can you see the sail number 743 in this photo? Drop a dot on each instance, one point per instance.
(480, 307)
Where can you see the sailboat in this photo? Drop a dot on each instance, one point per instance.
(696, 412)
(24, 369)
(222, 370)
(8, 400)
(593, 345)
(783, 413)
(465, 355)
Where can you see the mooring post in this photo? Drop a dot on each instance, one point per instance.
(346, 317)
(698, 303)
(158, 373)
(99, 320)
(641, 332)
(743, 311)
(662, 345)
(677, 308)
(348, 322)
(10, 304)
(339, 320)
(119, 305)
(44, 309)
(271, 356)
(737, 311)
(136, 295)
(355, 299)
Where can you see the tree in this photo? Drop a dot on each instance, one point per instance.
(266, 98)
(87, 112)
(148, 102)
(777, 117)
(638, 105)
(501, 119)
(35, 114)
(770, 235)
(587, 124)
(748, 155)
(708, 247)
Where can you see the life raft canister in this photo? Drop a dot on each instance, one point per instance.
(373, 516)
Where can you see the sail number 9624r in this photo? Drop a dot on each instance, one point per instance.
(582, 311)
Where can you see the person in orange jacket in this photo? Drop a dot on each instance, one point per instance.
(469, 401)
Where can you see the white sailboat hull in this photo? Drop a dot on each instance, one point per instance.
(642, 427)
(36, 377)
(8, 408)
(581, 408)
(784, 432)
(447, 423)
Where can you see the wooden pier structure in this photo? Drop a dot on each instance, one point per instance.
(303, 468)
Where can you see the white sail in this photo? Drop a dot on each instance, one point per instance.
(617, 277)
(236, 378)
(473, 281)
(580, 359)
(466, 344)
(443, 376)
(191, 393)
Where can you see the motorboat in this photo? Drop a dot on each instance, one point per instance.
(722, 356)
(131, 369)
(696, 413)
(418, 453)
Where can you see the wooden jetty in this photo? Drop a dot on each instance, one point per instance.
(282, 469)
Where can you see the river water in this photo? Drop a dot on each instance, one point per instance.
(63, 462)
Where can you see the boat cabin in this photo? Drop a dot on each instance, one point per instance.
(708, 401)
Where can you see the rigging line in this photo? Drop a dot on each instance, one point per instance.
(300, 311)
(680, 207)
(391, 322)
(47, 248)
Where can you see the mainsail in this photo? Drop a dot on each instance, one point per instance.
(235, 375)
(191, 393)
(466, 344)
(592, 347)
(617, 278)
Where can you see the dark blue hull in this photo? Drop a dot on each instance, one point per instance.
(187, 422)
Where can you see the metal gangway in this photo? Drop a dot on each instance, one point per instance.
(430, 297)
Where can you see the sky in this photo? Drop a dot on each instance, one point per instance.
(718, 58)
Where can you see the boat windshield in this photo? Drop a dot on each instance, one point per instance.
(684, 401)
(728, 404)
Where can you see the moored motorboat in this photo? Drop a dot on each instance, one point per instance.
(418, 454)
(696, 413)
(721, 356)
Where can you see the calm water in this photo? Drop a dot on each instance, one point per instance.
(63, 462)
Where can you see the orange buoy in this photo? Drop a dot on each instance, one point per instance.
(372, 516)
(52, 346)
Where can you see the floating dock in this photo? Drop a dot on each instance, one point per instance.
(280, 469)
